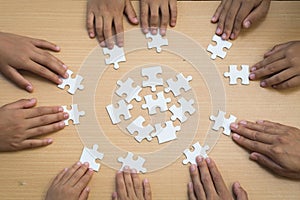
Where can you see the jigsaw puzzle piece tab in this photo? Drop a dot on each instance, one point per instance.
(90, 156)
(115, 112)
(222, 121)
(130, 91)
(235, 74)
(74, 114)
(167, 133)
(218, 49)
(192, 155)
(116, 55)
(143, 131)
(180, 83)
(73, 83)
(153, 81)
(152, 104)
(133, 164)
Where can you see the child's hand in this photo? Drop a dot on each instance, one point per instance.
(272, 145)
(158, 13)
(20, 124)
(71, 183)
(24, 53)
(105, 18)
(281, 65)
(232, 15)
(207, 183)
(129, 186)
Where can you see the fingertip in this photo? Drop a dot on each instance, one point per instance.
(91, 34)
(29, 88)
(235, 136)
(57, 48)
(246, 24)
(234, 126)
(218, 31)
(134, 20)
(254, 156)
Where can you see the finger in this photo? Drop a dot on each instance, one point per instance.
(43, 44)
(173, 12)
(198, 187)
(238, 191)
(144, 16)
(44, 110)
(218, 12)
(276, 48)
(70, 172)
(128, 183)
(216, 177)
(46, 129)
(191, 194)
(34, 143)
(222, 18)
(259, 12)
(164, 19)
(275, 128)
(22, 103)
(59, 176)
(154, 19)
(278, 78)
(252, 131)
(130, 12)
(84, 194)
(206, 179)
(12, 74)
(120, 185)
(99, 31)
(119, 31)
(147, 190)
(107, 30)
(293, 82)
(114, 196)
(90, 24)
(137, 184)
(78, 174)
(82, 183)
(230, 19)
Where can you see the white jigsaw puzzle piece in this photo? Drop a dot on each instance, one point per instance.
(73, 83)
(217, 50)
(122, 109)
(192, 155)
(143, 131)
(180, 83)
(153, 81)
(116, 55)
(235, 74)
(222, 121)
(90, 156)
(130, 91)
(167, 133)
(74, 114)
(157, 41)
(152, 104)
(133, 164)
(179, 112)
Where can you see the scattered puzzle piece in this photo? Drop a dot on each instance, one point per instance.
(143, 131)
(116, 55)
(167, 133)
(180, 83)
(74, 114)
(90, 156)
(157, 41)
(152, 104)
(217, 50)
(192, 155)
(130, 91)
(221, 121)
(153, 81)
(73, 83)
(115, 113)
(133, 164)
(234, 74)
(179, 112)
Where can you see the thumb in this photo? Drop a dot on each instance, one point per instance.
(130, 13)
(239, 192)
(22, 103)
(258, 13)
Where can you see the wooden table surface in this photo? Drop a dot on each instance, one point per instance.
(27, 174)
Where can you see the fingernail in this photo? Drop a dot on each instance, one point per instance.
(57, 48)
(247, 24)
(133, 171)
(87, 189)
(232, 36)
(65, 66)
(120, 44)
(253, 156)
(193, 168)
(190, 185)
(60, 109)
(252, 76)
(263, 84)
(243, 122)
(163, 31)
(207, 160)
(78, 163)
(146, 180)
(199, 159)
(60, 81)
(154, 31)
(274, 86)
(49, 141)
(86, 164)
(135, 20)
(92, 35)
(224, 36)
(66, 75)
(236, 136)
(102, 44)
(126, 168)
(260, 121)
(61, 124)
(213, 19)
(32, 100)
(29, 88)
(237, 184)
(253, 69)
(145, 30)
(218, 31)
(66, 115)
(234, 126)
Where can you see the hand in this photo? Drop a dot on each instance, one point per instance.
(272, 145)
(24, 53)
(20, 124)
(232, 15)
(207, 183)
(130, 187)
(281, 65)
(71, 183)
(151, 11)
(105, 15)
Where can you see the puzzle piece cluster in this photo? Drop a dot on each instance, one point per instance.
(116, 55)
(74, 114)
(218, 49)
(235, 74)
(157, 41)
(73, 83)
(90, 156)
(132, 164)
(192, 155)
(222, 122)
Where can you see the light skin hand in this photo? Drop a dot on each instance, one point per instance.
(24, 53)
(21, 123)
(158, 13)
(71, 183)
(233, 15)
(207, 183)
(272, 145)
(105, 18)
(280, 67)
(130, 187)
